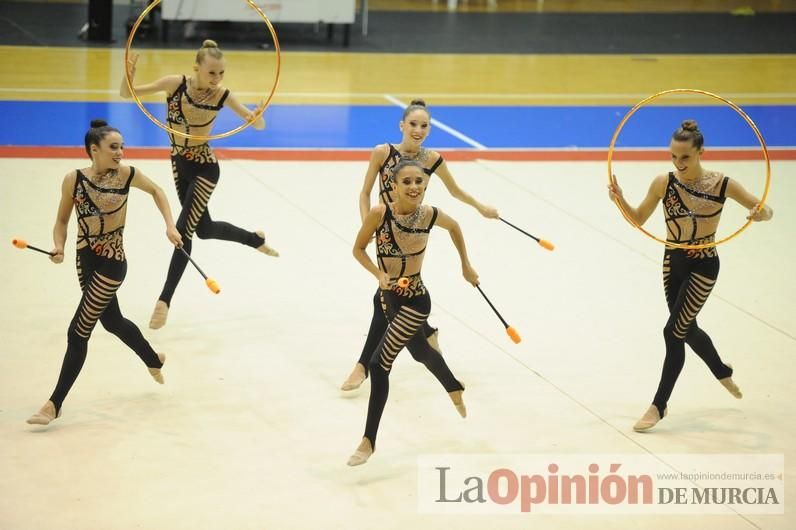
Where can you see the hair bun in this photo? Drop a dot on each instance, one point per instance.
(690, 125)
(418, 103)
(209, 43)
(98, 123)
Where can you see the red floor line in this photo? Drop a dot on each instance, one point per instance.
(340, 155)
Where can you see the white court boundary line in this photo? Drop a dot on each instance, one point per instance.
(486, 339)
(450, 130)
(486, 165)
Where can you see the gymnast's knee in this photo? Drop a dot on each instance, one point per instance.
(375, 369)
(422, 353)
(115, 326)
(669, 333)
(204, 228)
(73, 338)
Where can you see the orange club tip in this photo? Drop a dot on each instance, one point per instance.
(213, 285)
(547, 244)
(19, 243)
(514, 335)
(403, 282)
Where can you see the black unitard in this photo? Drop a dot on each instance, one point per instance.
(378, 322)
(196, 173)
(100, 208)
(692, 217)
(401, 240)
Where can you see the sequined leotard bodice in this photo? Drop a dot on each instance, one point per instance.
(101, 209)
(401, 243)
(386, 170)
(692, 215)
(185, 114)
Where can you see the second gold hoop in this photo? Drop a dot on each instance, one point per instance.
(200, 137)
(736, 108)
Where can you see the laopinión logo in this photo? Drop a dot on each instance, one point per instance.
(600, 484)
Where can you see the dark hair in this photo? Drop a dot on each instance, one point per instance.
(689, 132)
(413, 106)
(403, 164)
(209, 47)
(99, 130)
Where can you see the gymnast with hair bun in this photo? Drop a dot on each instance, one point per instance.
(692, 198)
(98, 195)
(192, 105)
(415, 126)
(402, 226)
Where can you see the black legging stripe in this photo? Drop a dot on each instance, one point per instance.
(688, 282)
(406, 327)
(79, 267)
(99, 279)
(195, 182)
(393, 342)
(403, 327)
(100, 291)
(667, 273)
(96, 306)
(697, 293)
(98, 295)
(378, 325)
(399, 331)
(95, 303)
(202, 193)
(407, 320)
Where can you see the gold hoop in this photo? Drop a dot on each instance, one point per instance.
(727, 102)
(201, 137)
